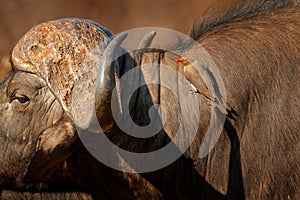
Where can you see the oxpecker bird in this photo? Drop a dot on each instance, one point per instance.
(198, 79)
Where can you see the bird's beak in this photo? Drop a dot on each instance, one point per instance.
(180, 60)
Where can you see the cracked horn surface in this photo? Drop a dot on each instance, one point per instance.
(66, 53)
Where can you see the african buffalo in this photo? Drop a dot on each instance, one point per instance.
(256, 48)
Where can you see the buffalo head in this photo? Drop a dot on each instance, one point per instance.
(38, 97)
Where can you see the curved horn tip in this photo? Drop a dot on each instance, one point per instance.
(147, 40)
(113, 46)
(119, 39)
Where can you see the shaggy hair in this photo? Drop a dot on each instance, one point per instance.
(236, 12)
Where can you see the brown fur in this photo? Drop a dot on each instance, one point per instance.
(256, 48)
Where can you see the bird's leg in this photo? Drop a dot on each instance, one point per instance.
(194, 90)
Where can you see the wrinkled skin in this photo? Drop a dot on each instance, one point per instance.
(256, 157)
(30, 111)
(28, 108)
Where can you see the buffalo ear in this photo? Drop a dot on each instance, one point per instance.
(53, 147)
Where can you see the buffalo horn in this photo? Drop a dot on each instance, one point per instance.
(147, 40)
(106, 83)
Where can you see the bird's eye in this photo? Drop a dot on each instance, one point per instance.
(21, 101)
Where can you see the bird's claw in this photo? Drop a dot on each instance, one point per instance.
(191, 91)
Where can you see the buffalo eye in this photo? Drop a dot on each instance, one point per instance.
(19, 100)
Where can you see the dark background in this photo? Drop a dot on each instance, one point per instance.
(18, 16)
